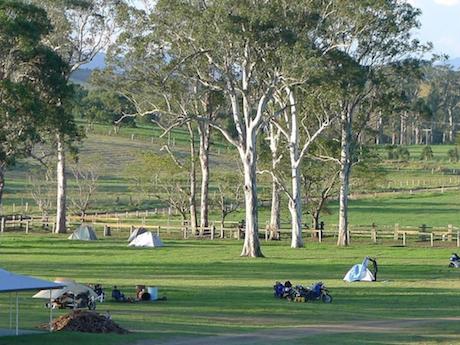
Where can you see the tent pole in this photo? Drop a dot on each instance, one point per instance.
(51, 313)
(17, 314)
(11, 313)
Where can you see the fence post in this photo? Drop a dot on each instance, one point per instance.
(158, 231)
(320, 236)
(432, 239)
(184, 232)
(107, 230)
(449, 232)
(213, 230)
(2, 226)
(374, 233)
(27, 227)
(458, 238)
(396, 234)
(404, 238)
(349, 236)
(266, 232)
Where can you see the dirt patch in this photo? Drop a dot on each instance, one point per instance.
(291, 333)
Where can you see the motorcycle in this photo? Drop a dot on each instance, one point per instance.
(317, 291)
(300, 293)
(454, 261)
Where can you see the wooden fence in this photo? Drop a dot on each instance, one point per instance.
(121, 223)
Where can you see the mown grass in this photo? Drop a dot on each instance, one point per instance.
(211, 290)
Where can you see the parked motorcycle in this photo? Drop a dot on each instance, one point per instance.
(454, 261)
(299, 293)
(317, 291)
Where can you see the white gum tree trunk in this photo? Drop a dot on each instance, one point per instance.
(345, 168)
(61, 203)
(192, 196)
(451, 125)
(295, 202)
(2, 180)
(290, 130)
(275, 211)
(204, 131)
(251, 246)
(295, 209)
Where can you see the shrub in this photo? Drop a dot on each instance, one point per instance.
(453, 154)
(427, 153)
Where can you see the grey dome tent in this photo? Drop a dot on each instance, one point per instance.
(137, 232)
(84, 233)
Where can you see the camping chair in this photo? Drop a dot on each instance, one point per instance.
(99, 292)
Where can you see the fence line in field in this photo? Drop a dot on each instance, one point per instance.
(234, 230)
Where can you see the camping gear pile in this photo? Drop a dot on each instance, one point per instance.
(87, 321)
(300, 293)
(361, 272)
(454, 261)
(73, 295)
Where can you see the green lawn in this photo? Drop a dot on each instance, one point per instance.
(212, 291)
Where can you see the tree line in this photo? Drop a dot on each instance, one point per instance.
(300, 89)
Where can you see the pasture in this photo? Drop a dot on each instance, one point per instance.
(216, 297)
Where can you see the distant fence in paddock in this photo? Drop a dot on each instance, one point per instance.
(124, 223)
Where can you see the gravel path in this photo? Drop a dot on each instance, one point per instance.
(291, 333)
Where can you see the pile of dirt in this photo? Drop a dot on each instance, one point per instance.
(86, 321)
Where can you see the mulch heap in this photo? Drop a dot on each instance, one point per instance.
(86, 321)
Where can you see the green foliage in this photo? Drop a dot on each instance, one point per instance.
(33, 90)
(103, 106)
(427, 153)
(453, 154)
(397, 152)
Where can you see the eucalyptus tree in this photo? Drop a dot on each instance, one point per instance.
(236, 60)
(305, 117)
(32, 89)
(444, 99)
(82, 28)
(374, 34)
(155, 79)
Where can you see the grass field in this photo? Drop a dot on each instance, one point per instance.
(216, 297)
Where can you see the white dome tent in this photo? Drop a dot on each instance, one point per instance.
(360, 272)
(136, 232)
(147, 239)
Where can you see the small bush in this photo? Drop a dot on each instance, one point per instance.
(427, 153)
(453, 154)
(403, 153)
(395, 152)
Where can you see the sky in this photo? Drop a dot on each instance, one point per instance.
(440, 25)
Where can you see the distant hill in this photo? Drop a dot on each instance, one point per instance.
(455, 63)
(81, 76)
(97, 63)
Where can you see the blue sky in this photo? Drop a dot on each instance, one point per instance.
(440, 24)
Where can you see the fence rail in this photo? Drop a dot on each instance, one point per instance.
(122, 222)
